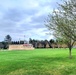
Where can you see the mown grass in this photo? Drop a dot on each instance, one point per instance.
(38, 62)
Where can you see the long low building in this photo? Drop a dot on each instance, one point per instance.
(21, 47)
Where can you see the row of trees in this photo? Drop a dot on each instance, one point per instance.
(40, 44)
(47, 44)
(36, 43)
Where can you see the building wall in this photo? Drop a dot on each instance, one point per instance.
(21, 47)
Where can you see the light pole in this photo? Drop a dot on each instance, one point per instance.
(24, 39)
(19, 40)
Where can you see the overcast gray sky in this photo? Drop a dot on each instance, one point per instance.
(25, 17)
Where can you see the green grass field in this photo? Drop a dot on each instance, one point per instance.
(38, 62)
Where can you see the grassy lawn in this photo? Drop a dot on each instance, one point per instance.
(38, 62)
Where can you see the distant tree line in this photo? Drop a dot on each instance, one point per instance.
(47, 44)
(36, 43)
(17, 42)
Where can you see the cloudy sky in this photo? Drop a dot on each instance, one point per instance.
(20, 18)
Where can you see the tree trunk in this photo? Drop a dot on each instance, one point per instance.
(70, 55)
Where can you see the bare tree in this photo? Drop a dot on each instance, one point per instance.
(63, 23)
